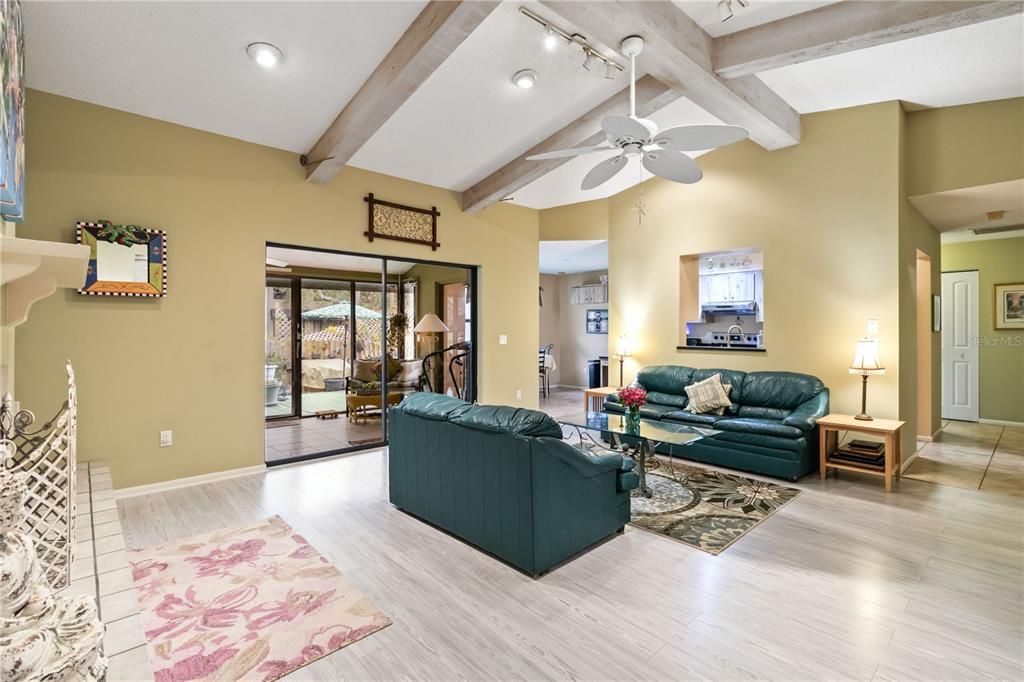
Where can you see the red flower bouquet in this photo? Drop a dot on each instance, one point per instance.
(633, 398)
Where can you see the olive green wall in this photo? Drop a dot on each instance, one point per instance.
(1001, 353)
(916, 234)
(965, 146)
(826, 214)
(429, 277)
(192, 362)
(585, 220)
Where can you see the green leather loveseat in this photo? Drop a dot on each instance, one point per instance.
(503, 479)
(770, 428)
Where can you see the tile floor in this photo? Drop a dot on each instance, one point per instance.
(101, 570)
(975, 456)
(310, 435)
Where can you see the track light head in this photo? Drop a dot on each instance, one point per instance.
(725, 9)
(551, 39)
(610, 71)
(591, 60)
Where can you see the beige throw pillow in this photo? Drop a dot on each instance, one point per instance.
(710, 395)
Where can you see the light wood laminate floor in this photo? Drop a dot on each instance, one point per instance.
(846, 582)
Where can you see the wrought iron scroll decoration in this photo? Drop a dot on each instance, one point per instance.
(388, 220)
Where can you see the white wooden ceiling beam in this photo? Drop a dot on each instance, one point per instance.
(433, 35)
(651, 95)
(678, 52)
(845, 27)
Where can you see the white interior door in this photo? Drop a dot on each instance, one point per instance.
(960, 345)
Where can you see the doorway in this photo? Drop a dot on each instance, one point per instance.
(330, 319)
(926, 426)
(960, 345)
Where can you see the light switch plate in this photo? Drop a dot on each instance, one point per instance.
(165, 439)
(872, 326)
(502, 340)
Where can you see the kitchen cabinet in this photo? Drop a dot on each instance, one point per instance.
(589, 294)
(728, 287)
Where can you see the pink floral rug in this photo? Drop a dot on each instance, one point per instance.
(249, 603)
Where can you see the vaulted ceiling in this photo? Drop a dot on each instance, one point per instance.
(442, 109)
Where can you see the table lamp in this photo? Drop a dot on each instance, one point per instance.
(865, 362)
(431, 324)
(623, 350)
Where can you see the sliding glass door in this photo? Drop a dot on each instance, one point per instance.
(349, 336)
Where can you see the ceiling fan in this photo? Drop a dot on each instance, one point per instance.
(661, 152)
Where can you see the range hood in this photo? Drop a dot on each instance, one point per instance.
(730, 308)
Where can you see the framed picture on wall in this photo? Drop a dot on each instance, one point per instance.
(597, 321)
(1009, 306)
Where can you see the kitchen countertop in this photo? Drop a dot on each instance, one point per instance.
(731, 349)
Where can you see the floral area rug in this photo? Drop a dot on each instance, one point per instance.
(248, 603)
(703, 508)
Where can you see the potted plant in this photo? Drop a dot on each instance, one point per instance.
(271, 386)
(397, 325)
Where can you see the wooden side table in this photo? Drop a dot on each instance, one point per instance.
(829, 427)
(596, 395)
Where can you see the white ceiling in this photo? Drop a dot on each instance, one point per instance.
(705, 13)
(565, 257)
(961, 209)
(185, 62)
(957, 236)
(468, 119)
(303, 258)
(969, 64)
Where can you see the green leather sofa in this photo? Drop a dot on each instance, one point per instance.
(770, 428)
(503, 479)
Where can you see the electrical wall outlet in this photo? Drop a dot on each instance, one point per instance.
(519, 394)
(502, 340)
(165, 439)
(872, 326)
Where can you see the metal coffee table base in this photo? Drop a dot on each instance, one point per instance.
(642, 453)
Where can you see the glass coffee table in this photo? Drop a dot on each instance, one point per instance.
(639, 444)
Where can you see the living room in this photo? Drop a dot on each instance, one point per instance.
(833, 160)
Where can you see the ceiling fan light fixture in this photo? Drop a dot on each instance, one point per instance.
(525, 78)
(725, 10)
(266, 55)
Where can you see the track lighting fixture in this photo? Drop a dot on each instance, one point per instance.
(725, 9)
(552, 35)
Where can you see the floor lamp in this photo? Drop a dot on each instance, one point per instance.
(623, 350)
(430, 324)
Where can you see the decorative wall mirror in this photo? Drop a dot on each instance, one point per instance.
(124, 260)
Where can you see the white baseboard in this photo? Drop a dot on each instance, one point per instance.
(151, 488)
(1001, 422)
(931, 437)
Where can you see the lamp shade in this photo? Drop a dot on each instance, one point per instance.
(624, 347)
(865, 361)
(431, 323)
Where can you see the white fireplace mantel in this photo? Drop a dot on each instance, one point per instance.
(31, 269)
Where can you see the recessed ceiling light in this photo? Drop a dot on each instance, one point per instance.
(525, 79)
(265, 54)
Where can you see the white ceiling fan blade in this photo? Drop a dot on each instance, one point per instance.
(603, 172)
(672, 165)
(693, 138)
(562, 153)
(617, 127)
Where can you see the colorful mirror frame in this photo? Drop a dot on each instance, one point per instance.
(126, 235)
